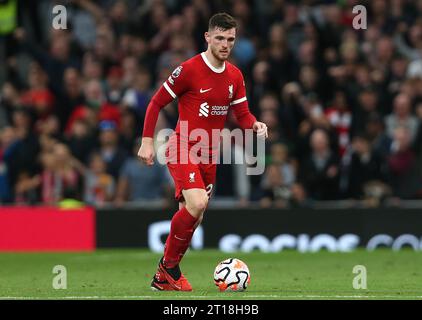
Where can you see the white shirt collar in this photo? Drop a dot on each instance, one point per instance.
(208, 63)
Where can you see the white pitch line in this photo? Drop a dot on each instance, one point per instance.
(214, 298)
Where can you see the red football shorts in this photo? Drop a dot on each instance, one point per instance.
(190, 176)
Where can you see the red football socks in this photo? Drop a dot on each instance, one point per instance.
(178, 241)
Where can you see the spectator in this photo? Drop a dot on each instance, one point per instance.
(9, 99)
(292, 113)
(244, 51)
(71, 96)
(137, 182)
(401, 163)
(139, 93)
(21, 157)
(96, 100)
(269, 102)
(270, 118)
(367, 104)
(47, 143)
(81, 140)
(92, 69)
(402, 116)
(49, 126)
(314, 119)
(38, 97)
(59, 174)
(397, 74)
(409, 44)
(111, 152)
(299, 197)
(340, 118)
(279, 180)
(129, 129)
(319, 173)
(261, 81)
(114, 85)
(280, 157)
(309, 81)
(83, 16)
(83, 113)
(275, 192)
(130, 68)
(374, 130)
(365, 167)
(269, 109)
(282, 66)
(99, 186)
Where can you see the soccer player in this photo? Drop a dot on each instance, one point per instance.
(206, 86)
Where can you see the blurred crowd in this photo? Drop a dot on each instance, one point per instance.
(343, 106)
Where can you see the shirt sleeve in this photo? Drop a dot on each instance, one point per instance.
(240, 105)
(240, 93)
(178, 82)
(175, 85)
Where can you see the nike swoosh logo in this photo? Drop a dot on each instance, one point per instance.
(179, 238)
(206, 90)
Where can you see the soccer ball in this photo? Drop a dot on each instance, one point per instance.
(232, 275)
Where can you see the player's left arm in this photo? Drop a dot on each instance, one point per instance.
(241, 110)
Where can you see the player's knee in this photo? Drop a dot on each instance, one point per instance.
(201, 205)
(198, 206)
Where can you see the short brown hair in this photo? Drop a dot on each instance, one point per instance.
(222, 21)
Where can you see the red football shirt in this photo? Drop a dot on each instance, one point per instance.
(205, 94)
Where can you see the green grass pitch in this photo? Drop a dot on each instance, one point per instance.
(126, 274)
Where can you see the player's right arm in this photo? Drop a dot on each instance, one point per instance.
(159, 100)
(176, 84)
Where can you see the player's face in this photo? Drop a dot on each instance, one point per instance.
(221, 42)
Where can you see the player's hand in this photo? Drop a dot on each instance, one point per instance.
(261, 129)
(146, 151)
